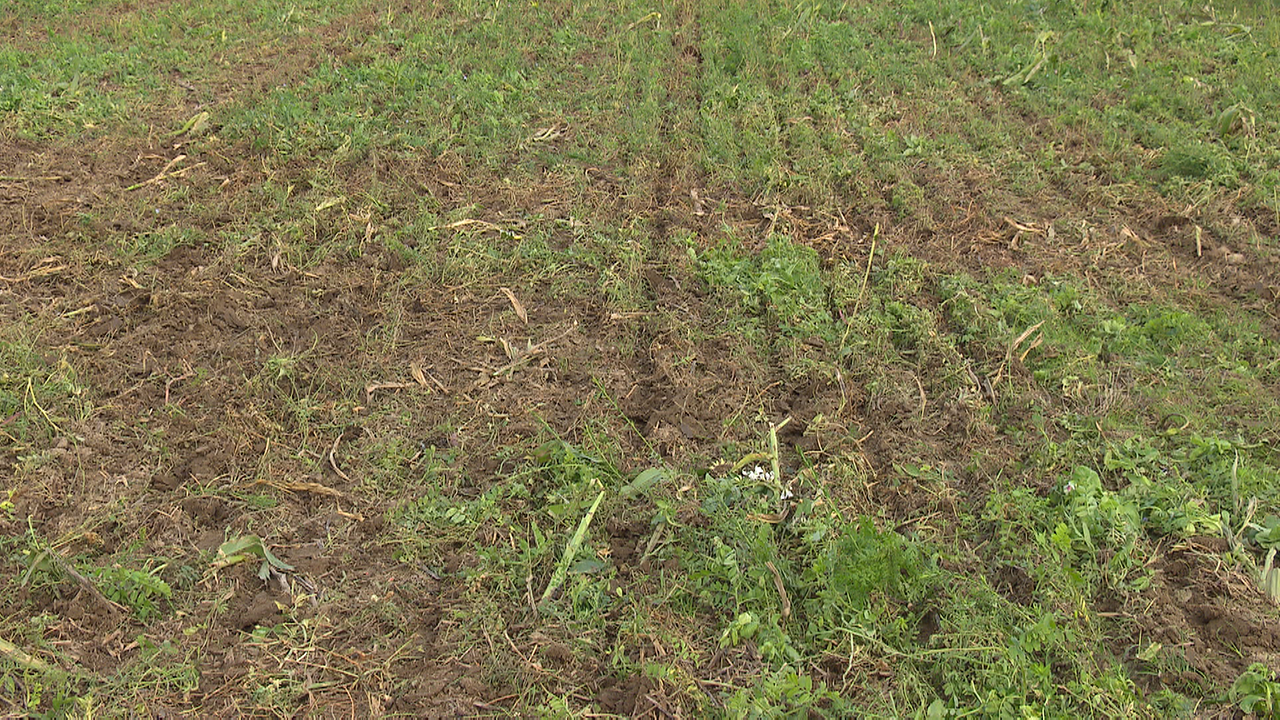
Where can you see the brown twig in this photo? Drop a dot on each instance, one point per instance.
(510, 367)
(31, 178)
(165, 173)
(169, 385)
(334, 463)
(438, 384)
(41, 271)
(866, 276)
(299, 486)
(370, 389)
(83, 581)
(658, 706)
(516, 305)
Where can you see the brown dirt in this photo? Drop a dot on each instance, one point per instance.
(173, 358)
(1218, 620)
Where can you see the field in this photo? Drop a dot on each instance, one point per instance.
(693, 359)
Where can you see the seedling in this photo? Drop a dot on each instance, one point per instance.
(1269, 576)
(140, 591)
(742, 628)
(1266, 534)
(570, 551)
(1257, 691)
(247, 548)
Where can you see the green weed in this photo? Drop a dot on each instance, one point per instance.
(1257, 691)
(39, 393)
(250, 548)
(142, 591)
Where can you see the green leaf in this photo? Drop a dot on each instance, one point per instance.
(587, 566)
(1269, 536)
(644, 482)
(275, 561)
(247, 543)
(239, 549)
(570, 550)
